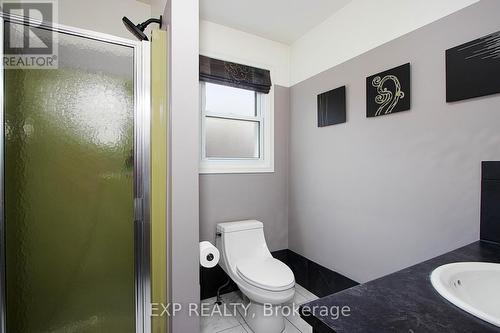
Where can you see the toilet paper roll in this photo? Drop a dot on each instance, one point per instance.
(209, 255)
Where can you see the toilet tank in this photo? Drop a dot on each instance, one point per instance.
(241, 240)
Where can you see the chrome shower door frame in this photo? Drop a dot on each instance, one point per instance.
(141, 203)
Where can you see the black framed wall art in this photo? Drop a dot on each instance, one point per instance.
(389, 91)
(332, 107)
(473, 69)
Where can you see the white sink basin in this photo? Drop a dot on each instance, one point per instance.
(472, 286)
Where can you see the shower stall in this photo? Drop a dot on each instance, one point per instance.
(75, 238)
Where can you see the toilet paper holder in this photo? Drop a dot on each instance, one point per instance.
(210, 257)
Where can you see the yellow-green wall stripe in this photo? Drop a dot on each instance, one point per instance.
(159, 153)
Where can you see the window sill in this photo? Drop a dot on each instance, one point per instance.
(213, 168)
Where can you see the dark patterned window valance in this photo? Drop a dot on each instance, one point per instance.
(234, 75)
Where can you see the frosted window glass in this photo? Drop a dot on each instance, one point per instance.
(230, 138)
(229, 101)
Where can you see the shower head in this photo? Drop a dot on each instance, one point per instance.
(135, 29)
(138, 30)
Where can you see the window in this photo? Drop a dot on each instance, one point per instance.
(236, 130)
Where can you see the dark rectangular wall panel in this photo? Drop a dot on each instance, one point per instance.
(473, 69)
(332, 107)
(490, 202)
(389, 91)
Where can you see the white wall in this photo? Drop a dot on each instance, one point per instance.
(375, 195)
(356, 28)
(218, 41)
(361, 26)
(103, 16)
(183, 19)
(158, 7)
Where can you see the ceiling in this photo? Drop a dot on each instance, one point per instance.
(280, 20)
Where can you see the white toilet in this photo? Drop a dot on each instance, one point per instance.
(263, 279)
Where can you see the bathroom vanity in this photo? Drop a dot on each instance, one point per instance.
(404, 301)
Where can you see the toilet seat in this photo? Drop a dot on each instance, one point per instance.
(266, 273)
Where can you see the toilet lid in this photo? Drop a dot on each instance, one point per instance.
(266, 273)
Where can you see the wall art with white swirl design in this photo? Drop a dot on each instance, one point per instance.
(388, 92)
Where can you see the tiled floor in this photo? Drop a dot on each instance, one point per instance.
(231, 322)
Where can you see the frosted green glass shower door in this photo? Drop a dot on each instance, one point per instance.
(69, 191)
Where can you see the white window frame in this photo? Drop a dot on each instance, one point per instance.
(265, 116)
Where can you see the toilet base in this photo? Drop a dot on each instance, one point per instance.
(260, 320)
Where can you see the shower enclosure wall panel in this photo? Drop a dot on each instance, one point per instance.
(75, 204)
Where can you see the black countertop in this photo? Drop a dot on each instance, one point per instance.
(404, 301)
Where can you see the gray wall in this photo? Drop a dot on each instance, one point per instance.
(230, 197)
(183, 19)
(375, 195)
